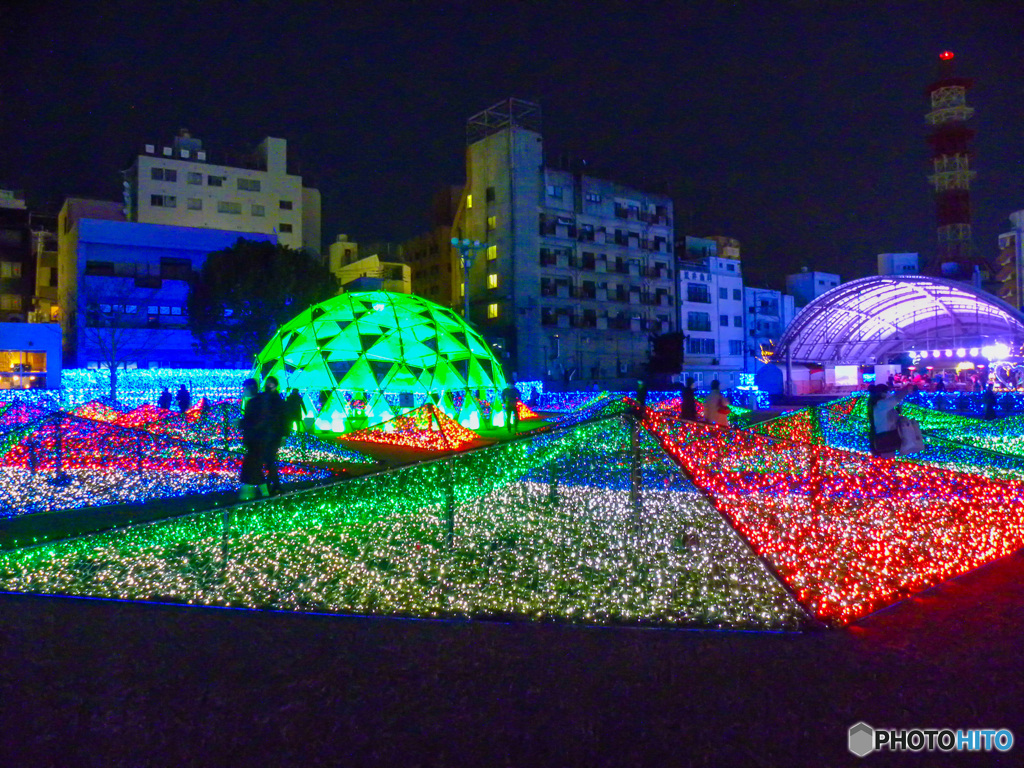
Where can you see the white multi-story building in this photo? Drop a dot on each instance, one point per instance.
(182, 184)
(711, 312)
(575, 273)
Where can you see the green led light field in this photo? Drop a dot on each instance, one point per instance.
(543, 529)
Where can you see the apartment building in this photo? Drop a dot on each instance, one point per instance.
(575, 273)
(712, 315)
(125, 285)
(805, 286)
(768, 314)
(182, 184)
(1010, 271)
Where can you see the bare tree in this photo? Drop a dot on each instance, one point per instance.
(118, 327)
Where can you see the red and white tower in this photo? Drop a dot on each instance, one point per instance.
(951, 174)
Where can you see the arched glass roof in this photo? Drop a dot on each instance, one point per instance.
(870, 319)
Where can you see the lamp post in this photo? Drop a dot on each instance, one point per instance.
(467, 250)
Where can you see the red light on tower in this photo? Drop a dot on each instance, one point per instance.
(946, 55)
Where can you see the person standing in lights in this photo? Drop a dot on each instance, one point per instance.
(251, 425)
(883, 434)
(716, 406)
(510, 397)
(184, 399)
(273, 429)
(293, 407)
(641, 398)
(988, 399)
(688, 401)
(165, 399)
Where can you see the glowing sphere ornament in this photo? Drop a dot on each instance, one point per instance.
(364, 358)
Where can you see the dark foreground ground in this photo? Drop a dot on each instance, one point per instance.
(92, 683)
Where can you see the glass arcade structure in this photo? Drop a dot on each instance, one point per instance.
(872, 319)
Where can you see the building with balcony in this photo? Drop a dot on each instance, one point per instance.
(122, 286)
(576, 273)
(1010, 263)
(711, 310)
(370, 272)
(17, 266)
(182, 184)
(768, 314)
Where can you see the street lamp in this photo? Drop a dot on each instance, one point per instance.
(467, 250)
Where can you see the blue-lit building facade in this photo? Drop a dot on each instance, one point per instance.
(123, 289)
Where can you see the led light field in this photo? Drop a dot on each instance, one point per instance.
(848, 533)
(565, 526)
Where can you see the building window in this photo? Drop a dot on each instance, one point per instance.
(216, 181)
(593, 197)
(700, 346)
(492, 281)
(736, 294)
(698, 293)
(462, 290)
(492, 222)
(723, 293)
(195, 178)
(492, 252)
(492, 311)
(163, 201)
(249, 185)
(469, 201)
(698, 321)
(285, 228)
(554, 191)
(737, 321)
(10, 269)
(286, 205)
(259, 210)
(723, 320)
(489, 195)
(731, 267)
(10, 301)
(225, 207)
(163, 174)
(195, 204)
(735, 347)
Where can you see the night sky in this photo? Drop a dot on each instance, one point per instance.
(796, 127)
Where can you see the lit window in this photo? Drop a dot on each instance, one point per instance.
(462, 290)
(492, 222)
(492, 311)
(469, 201)
(10, 269)
(492, 252)
(492, 281)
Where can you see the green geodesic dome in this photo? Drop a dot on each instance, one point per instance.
(374, 354)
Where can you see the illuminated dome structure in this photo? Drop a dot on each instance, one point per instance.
(362, 358)
(874, 318)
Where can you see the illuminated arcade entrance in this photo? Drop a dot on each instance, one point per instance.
(364, 358)
(938, 323)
